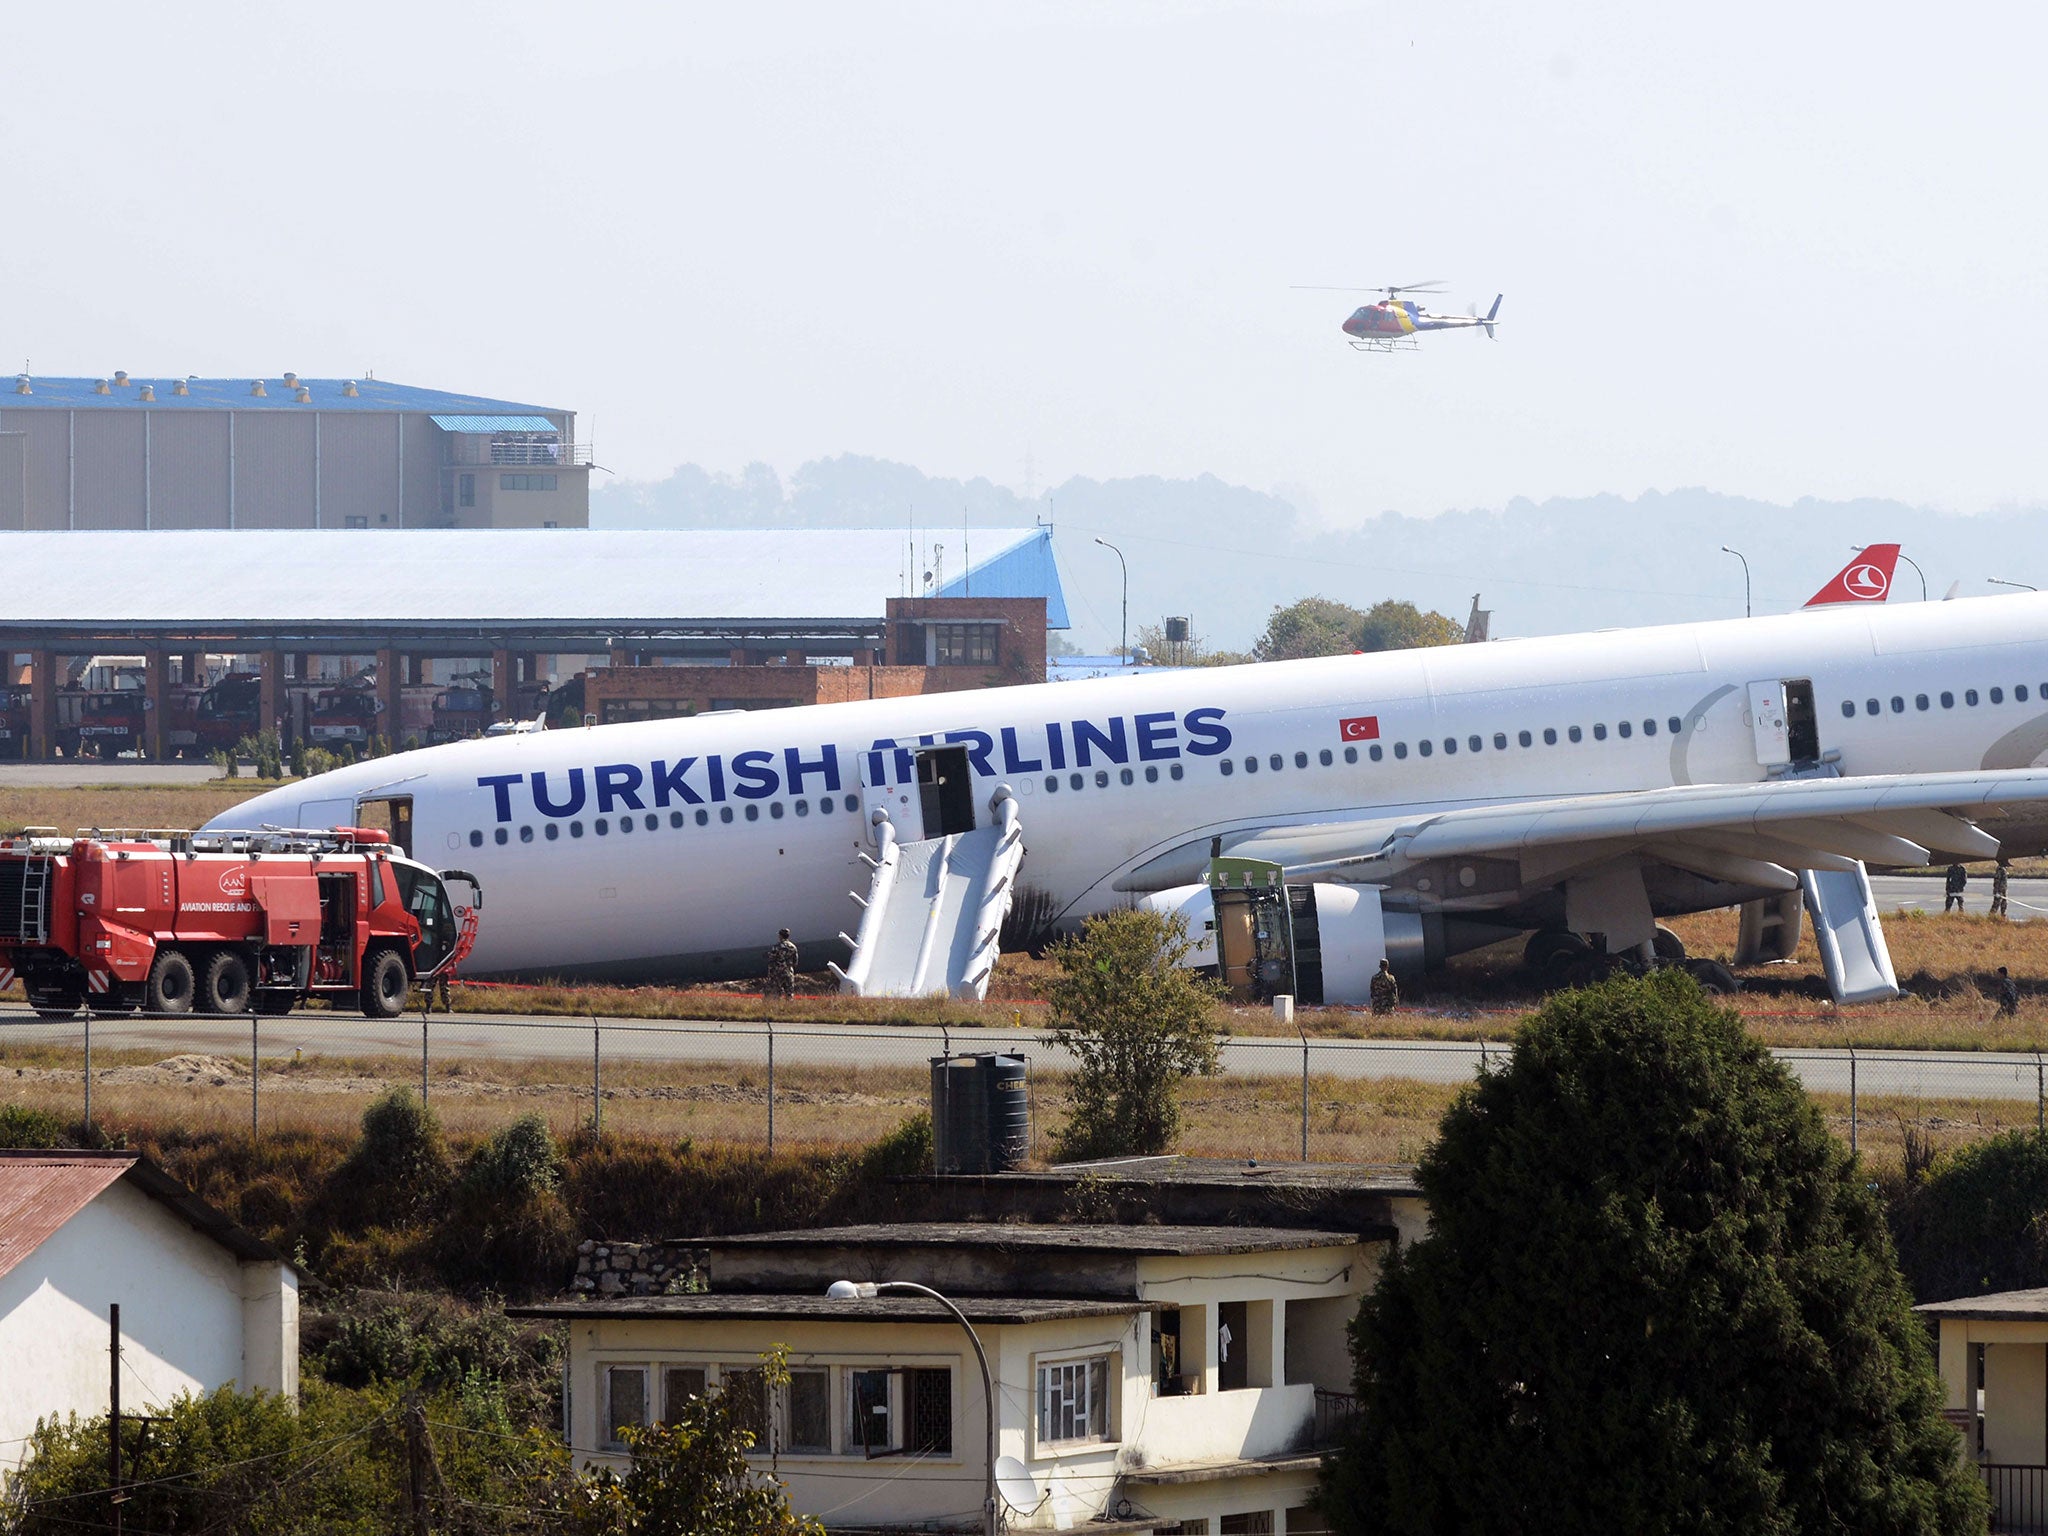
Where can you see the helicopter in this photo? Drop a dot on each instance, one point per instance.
(1394, 322)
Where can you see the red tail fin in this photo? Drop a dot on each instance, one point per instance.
(1866, 579)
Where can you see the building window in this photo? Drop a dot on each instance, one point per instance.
(1258, 1522)
(963, 645)
(680, 1383)
(523, 483)
(1073, 1400)
(465, 490)
(899, 1412)
(625, 1402)
(355, 522)
(746, 1392)
(807, 1413)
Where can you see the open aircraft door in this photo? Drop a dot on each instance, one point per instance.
(883, 798)
(1781, 713)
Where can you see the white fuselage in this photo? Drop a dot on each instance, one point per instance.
(677, 848)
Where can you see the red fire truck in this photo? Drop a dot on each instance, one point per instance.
(225, 921)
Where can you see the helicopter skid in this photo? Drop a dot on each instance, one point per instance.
(1385, 344)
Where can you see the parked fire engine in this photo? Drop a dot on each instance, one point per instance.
(225, 921)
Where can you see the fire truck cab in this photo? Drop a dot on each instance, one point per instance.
(224, 922)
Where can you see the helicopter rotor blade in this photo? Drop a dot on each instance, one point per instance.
(1434, 285)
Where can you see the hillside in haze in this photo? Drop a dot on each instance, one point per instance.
(1226, 555)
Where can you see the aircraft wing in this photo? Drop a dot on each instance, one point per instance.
(1744, 833)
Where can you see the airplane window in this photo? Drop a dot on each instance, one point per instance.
(753, 811)
(1325, 757)
(1624, 730)
(1870, 706)
(575, 829)
(725, 813)
(502, 836)
(1400, 749)
(852, 803)
(1251, 765)
(1102, 778)
(625, 823)
(1848, 709)
(602, 826)
(1450, 746)
(1052, 783)
(1301, 759)
(476, 839)
(1500, 741)
(825, 806)
(1898, 705)
(553, 830)
(1599, 733)
(703, 818)
(1575, 733)
(1676, 724)
(1474, 743)
(2019, 694)
(774, 812)
(1970, 697)
(1174, 770)
(1948, 701)
(1525, 738)
(1277, 762)
(1228, 767)
(1126, 776)
(1351, 753)
(1423, 746)
(1920, 701)
(803, 807)
(1649, 727)
(653, 822)
(1075, 781)
(1152, 774)
(526, 834)
(1998, 695)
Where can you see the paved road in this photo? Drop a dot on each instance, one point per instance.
(1915, 1074)
(1924, 893)
(128, 775)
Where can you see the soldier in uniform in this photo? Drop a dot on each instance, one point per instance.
(1952, 888)
(1999, 875)
(782, 966)
(1385, 990)
(2008, 994)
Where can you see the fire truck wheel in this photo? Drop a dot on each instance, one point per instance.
(170, 985)
(226, 985)
(386, 985)
(274, 1004)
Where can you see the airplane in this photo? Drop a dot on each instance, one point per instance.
(1865, 579)
(1394, 322)
(1575, 788)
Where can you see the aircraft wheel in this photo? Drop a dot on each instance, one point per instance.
(1713, 977)
(225, 988)
(171, 983)
(1553, 955)
(1670, 947)
(386, 986)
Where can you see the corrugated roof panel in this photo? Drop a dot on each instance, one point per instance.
(437, 576)
(38, 1194)
(493, 423)
(236, 395)
(1018, 568)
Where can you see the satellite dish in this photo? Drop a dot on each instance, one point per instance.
(1018, 1488)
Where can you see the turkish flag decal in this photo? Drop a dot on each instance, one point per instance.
(1359, 728)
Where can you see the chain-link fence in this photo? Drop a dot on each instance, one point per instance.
(794, 1085)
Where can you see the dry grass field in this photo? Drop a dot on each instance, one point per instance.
(122, 805)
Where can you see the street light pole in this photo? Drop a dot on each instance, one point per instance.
(851, 1290)
(1127, 595)
(2000, 581)
(1738, 554)
(1859, 548)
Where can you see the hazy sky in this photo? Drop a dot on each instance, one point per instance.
(1780, 250)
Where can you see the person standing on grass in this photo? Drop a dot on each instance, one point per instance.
(2008, 994)
(782, 967)
(1952, 899)
(1999, 874)
(1385, 990)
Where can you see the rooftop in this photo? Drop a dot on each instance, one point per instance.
(235, 395)
(40, 1191)
(1045, 1237)
(2000, 1307)
(788, 1306)
(1173, 1168)
(634, 582)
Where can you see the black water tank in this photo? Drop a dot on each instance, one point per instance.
(981, 1113)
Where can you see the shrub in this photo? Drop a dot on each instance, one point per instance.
(1979, 1220)
(25, 1126)
(1656, 1295)
(904, 1151)
(1137, 1023)
(508, 1225)
(520, 1162)
(398, 1170)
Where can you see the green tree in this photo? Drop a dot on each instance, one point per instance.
(398, 1171)
(507, 1224)
(1657, 1296)
(1979, 1220)
(1400, 626)
(1137, 1023)
(689, 1477)
(1314, 626)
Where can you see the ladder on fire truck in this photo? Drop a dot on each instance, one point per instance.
(933, 916)
(34, 925)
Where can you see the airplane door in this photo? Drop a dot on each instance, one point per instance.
(1768, 719)
(879, 793)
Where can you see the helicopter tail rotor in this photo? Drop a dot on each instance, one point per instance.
(1491, 319)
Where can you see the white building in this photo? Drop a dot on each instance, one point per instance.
(1150, 1378)
(203, 1303)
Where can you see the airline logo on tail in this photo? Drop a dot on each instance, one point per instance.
(1866, 579)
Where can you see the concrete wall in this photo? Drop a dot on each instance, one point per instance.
(192, 1317)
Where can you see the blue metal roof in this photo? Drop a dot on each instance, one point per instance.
(1025, 569)
(493, 423)
(233, 395)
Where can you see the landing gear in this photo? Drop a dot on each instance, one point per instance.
(1560, 960)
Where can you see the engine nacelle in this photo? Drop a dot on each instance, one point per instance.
(1320, 942)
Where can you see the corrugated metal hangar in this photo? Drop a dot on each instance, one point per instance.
(286, 452)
